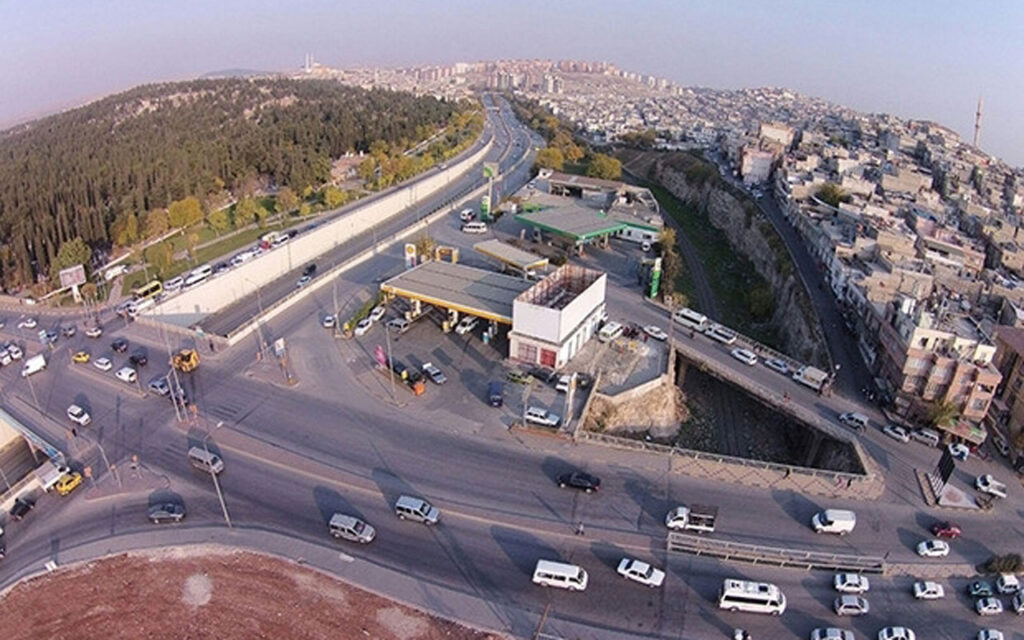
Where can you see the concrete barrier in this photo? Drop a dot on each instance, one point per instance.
(775, 556)
(191, 306)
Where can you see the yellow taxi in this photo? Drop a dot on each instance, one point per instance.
(81, 356)
(68, 482)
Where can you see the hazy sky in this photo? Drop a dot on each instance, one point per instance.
(920, 59)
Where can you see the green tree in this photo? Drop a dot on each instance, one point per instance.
(287, 201)
(425, 245)
(193, 241)
(160, 255)
(942, 413)
(333, 196)
(70, 254)
(182, 213)
(157, 223)
(89, 291)
(832, 194)
(219, 220)
(550, 158)
(605, 167)
(246, 211)
(760, 303)
(126, 229)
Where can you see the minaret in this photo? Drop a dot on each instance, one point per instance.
(977, 124)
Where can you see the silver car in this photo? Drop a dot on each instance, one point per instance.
(351, 528)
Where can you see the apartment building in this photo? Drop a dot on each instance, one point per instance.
(932, 353)
(1007, 414)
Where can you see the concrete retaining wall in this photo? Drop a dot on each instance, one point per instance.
(191, 306)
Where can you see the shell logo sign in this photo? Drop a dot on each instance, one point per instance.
(410, 255)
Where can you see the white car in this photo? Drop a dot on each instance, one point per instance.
(466, 215)
(928, 590)
(933, 549)
(103, 364)
(896, 633)
(363, 326)
(127, 375)
(563, 383)
(641, 572)
(79, 415)
(542, 417)
(174, 284)
(896, 432)
(848, 605)
(778, 366)
(655, 332)
(745, 356)
(851, 583)
(303, 281)
(467, 324)
(1007, 584)
(988, 606)
(377, 313)
(28, 323)
(959, 451)
(93, 332)
(327, 322)
(15, 351)
(990, 634)
(832, 633)
(987, 484)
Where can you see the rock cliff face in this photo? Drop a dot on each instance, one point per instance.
(751, 234)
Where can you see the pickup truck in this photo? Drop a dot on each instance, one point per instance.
(700, 518)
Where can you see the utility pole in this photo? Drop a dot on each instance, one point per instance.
(112, 468)
(391, 370)
(216, 482)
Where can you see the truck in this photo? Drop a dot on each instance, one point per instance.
(696, 517)
(35, 364)
(186, 360)
(811, 377)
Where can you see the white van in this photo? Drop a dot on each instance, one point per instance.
(720, 333)
(560, 574)
(691, 319)
(753, 597)
(197, 275)
(609, 332)
(35, 364)
(205, 460)
(838, 521)
(474, 227)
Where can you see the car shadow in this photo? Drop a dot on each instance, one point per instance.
(797, 506)
(523, 549)
(329, 502)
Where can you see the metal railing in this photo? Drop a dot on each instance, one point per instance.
(775, 556)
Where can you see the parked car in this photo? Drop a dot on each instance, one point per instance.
(518, 377)
(159, 386)
(896, 633)
(831, 633)
(641, 572)
(15, 351)
(68, 331)
(563, 383)
(80, 357)
(466, 324)
(933, 549)
(958, 451)
(987, 484)
(548, 376)
(990, 634)
(979, 589)
(363, 326)
(541, 416)
(68, 483)
(94, 332)
(1007, 584)
(851, 583)
(28, 323)
(655, 332)
(175, 283)
(946, 529)
(377, 313)
(127, 375)
(579, 480)
(928, 590)
(166, 512)
(120, 345)
(896, 432)
(139, 358)
(434, 373)
(303, 281)
(988, 606)
(103, 364)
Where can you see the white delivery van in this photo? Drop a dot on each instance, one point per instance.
(474, 227)
(753, 597)
(35, 364)
(609, 332)
(560, 574)
(204, 460)
(691, 319)
(838, 521)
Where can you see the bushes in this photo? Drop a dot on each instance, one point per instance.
(1007, 563)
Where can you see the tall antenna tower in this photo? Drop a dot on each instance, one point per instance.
(977, 124)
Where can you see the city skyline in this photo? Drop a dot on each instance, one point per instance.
(908, 60)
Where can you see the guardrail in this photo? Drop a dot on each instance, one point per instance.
(775, 556)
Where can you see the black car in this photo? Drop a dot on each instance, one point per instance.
(579, 480)
(309, 270)
(120, 345)
(166, 512)
(139, 358)
(550, 376)
(21, 508)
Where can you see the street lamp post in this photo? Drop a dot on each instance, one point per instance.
(213, 476)
(256, 320)
(112, 468)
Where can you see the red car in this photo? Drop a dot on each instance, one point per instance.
(946, 530)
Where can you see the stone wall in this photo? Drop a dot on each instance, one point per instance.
(751, 234)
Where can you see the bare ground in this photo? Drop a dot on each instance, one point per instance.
(209, 593)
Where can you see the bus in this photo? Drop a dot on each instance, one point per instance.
(148, 291)
(691, 319)
(754, 597)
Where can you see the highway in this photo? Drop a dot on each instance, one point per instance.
(337, 441)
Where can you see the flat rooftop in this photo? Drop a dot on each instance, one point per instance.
(506, 253)
(578, 223)
(480, 293)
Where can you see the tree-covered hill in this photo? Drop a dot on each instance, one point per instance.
(83, 172)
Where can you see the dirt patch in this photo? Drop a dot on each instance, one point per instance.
(189, 595)
(657, 412)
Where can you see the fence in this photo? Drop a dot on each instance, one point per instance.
(775, 556)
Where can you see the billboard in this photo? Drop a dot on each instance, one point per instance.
(72, 276)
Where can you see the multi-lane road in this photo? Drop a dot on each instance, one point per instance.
(337, 442)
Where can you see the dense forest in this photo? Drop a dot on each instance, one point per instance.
(87, 172)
